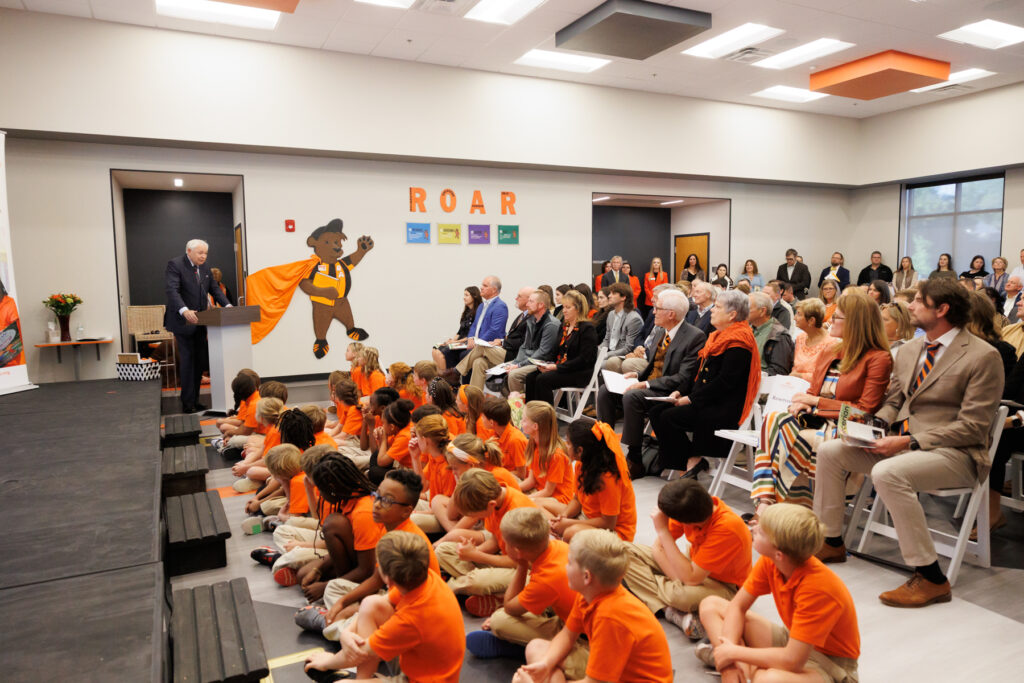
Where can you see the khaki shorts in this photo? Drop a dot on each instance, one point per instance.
(832, 669)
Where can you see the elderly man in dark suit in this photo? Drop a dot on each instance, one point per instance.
(672, 368)
(795, 273)
(189, 285)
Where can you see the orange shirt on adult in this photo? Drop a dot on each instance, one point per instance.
(548, 585)
(652, 280)
(513, 499)
(512, 443)
(814, 604)
(627, 643)
(426, 633)
(559, 471)
(721, 547)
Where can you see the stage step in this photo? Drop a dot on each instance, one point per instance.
(215, 635)
(184, 470)
(196, 531)
(180, 430)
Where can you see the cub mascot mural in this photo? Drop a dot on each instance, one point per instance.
(325, 277)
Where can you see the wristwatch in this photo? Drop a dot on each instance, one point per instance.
(914, 445)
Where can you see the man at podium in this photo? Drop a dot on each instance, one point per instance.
(189, 286)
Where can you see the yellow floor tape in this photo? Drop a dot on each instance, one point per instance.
(286, 660)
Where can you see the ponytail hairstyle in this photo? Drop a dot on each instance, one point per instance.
(547, 441)
(339, 481)
(401, 378)
(434, 427)
(296, 428)
(242, 387)
(398, 413)
(345, 390)
(474, 400)
(355, 348)
(369, 360)
(383, 397)
(478, 452)
(443, 396)
(268, 410)
(595, 456)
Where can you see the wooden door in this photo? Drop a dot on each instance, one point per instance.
(239, 272)
(690, 244)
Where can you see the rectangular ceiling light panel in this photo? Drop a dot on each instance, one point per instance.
(276, 5)
(958, 77)
(633, 29)
(804, 53)
(505, 12)
(786, 93)
(563, 61)
(738, 38)
(399, 4)
(880, 75)
(219, 13)
(989, 34)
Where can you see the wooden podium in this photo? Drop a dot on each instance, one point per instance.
(230, 342)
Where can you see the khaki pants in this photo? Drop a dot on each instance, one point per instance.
(897, 480)
(646, 581)
(469, 578)
(271, 506)
(478, 361)
(624, 365)
(350, 449)
(517, 377)
(521, 630)
(297, 557)
(832, 669)
(335, 590)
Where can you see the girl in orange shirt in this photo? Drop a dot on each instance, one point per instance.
(401, 380)
(332, 379)
(604, 492)
(268, 411)
(370, 377)
(550, 480)
(430, 440)
(350, 419)
(470, 402)
(392, 440)
(441, 394)
(352, 356)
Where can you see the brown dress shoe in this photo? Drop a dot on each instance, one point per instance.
(831, 554)
(917, 592)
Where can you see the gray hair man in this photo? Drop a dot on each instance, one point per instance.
(773, 340)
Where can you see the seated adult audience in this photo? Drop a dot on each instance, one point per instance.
(815, 340)
(723, 392)
(836, 272)
(906, 277)
(599, 314)
(671, 367)
(623, 323)
(997, 278)
(703, 295)
(1012, 441)
(1014, 332)
(982, 325)
(1019, 270)
(774, 345)
(795, 273)
(654, 277)
(444, 356)
(788, 301)
(781, 310)
(941, 400)
(898, 328)
(722, 278)
(613, 275)
(876, 270)
(878, 290)
(829, 295)
(575, 354)
(693, 270)
(855, 372)
(1013, 297)
(977, 268)
(588, 296)
(633, 281)
(541, 337)
(993, 295)
(944, 268)
(751, 275)
(650, 336)
(559, 291)
(488, 325)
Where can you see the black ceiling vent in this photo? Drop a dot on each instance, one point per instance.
(632, 28)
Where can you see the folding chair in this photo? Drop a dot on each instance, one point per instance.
(977, 552)
(746, 440)
(1015, 501)
(576, 397)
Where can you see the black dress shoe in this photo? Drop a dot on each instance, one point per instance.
(701, 466)
(636, 470)
(188, 409)
(200, 407)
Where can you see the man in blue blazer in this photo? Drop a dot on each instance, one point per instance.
(488, 325)
(189, 285)
(837, 272)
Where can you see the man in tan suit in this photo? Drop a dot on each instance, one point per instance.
(943, 396)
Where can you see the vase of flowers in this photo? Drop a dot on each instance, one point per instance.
(62, 306)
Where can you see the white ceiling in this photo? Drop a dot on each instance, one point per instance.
(437, 38)
(192, 182)
(650, 201)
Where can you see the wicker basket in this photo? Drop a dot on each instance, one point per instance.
(144, 370)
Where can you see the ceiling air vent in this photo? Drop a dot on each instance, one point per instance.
(954, 89)
(748, 55)
(454, 8)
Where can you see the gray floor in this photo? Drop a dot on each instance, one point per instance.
(978, 636)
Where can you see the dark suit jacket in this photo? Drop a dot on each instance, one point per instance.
(801, 279)
(1013, 317)
(843, 273)
(609, 278)
(681, 362)
(183, 289)
(580, 350)
(515, 336)
(720, 391)
(701, 322)
(884, 273)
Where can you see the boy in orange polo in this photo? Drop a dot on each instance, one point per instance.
(627, 644)
(821, 635)
(665, 578)
(497, 417)
(421, 623)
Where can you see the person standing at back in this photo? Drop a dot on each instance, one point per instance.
(795, 273)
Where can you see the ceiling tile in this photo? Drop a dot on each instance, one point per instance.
(141, 13)
(404, 44)
(74, 8)
(357, 38)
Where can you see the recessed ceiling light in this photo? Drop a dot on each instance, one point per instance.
(674, 201)
(730, 41)
(178, 182)
(788, 94)
(564, 61)
(219, 13)
(502, 11)
(989, 34)
(803, 53)
(958, 77)
(601, 199)
(400, 4)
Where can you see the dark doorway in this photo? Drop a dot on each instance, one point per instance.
(158, 223)
(636, 234)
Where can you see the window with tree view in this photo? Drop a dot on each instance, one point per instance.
(962, 218)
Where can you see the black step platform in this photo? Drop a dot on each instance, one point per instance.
(180, 430)
(196, 530)
(184, 470)
(215, 635)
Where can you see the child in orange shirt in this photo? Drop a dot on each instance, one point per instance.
(627, 644)
(352, 356)
(422, 373)
(318, 417)
(370, 377)
(551, 482)
(441, 394)
(718, 563)
(332, 380)
(497, 417)
(470, 401)
(427, 447)
(392, 440)
(477, 560)
(420, 622)
(604, 491)
(345, 398)
(401, 380)
(820, 640)
(296, 429)
(372, 410)
(235, 430)
(228, 425)
(268, 411)
(538, 601)
(463, 454)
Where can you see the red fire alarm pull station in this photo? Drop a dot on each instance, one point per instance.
(289, 225)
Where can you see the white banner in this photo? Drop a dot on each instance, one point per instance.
(13, 371)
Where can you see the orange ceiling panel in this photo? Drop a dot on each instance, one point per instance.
(880, 75)
(278, 5)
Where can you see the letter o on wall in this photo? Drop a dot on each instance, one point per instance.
(448, 200)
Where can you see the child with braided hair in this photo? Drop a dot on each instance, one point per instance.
(296, 429)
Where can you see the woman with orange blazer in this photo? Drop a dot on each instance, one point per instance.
(654, 277)
(856, 372)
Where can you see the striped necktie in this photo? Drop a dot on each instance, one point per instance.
(665, 342)
(929, 363)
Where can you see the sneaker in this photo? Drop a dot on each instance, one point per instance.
(287, 577)
(312, 618)
(218, 443)
(252, 525)
(245, 485)
(486, 645)
(265, 555)
(687, 622)
(321, 676)
(483, 606)
(705, 652)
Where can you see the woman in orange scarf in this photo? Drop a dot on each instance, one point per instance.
(723, 391)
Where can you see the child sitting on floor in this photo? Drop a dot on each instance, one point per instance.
(470, 402)
(820, 640)
(332, 380)
(350, 418)
(234, 420)
(235, 430)
(497, 417)
(296, 429)
(366, 372)
(392, 440)
(318, 417)
(401, 380)
(441, 394)
(426, 448)
(419, 621)
(268, 411)
(627, 644)
(551, 482)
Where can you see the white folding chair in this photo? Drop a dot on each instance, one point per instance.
(1015, 501)
(956, 546)
(745, 440)
(576, 397)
